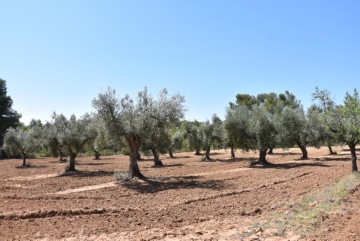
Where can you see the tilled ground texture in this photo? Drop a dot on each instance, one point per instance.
(187, 199)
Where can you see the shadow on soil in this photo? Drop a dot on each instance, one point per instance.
(29, 165)
(291, 165)
(284, 154)
(154, 185)
(234, 160)
(357, 149)
(87, 174)
(177, 157)
(333, 158)
(93, 163)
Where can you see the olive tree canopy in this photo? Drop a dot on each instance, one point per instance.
(134, 120)
(20, 142)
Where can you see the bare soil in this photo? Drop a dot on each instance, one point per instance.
(187, 199)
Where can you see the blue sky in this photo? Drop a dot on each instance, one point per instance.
(58, 55)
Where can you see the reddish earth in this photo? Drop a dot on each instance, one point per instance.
(185, 200)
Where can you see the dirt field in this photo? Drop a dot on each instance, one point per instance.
(185, 200)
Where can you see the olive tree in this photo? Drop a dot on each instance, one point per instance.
(158, 141)
(71, 134)
(292, 127)
(263, 132)
(20, 142)
(210, 133)
(194, 136)
(133, 120)
(350, 124)
(177, 139)
(98, 137)
(236, 125)
(325, 107)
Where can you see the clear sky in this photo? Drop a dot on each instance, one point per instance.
(58, 55)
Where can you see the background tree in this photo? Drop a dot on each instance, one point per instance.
(8, 116)
(133, 120)
(263, 132)
(72, 135)
(20, 142)
(51, 143)
(350, 124)
(158, 141)
(325, 108)
(210, 133)
(177, 139)
(98, 139)
(194, 136)
(292, 128)
(237, 127)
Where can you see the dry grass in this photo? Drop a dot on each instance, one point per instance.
(305, 215)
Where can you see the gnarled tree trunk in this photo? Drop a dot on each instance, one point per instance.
(134, 145)
(303, 150)
(207, 154)
(97, 155)
(352, 146)
(232, 150)
(262, 158)
(271, 151)
(24, 159)
(61, 156)
(157, 162)
(331, 152)
(71, 167)
(171, 153)
(197, 152)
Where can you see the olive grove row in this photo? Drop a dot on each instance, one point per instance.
(259, 123)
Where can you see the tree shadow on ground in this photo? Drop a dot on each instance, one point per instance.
(290, 165)
(357, 149)
(87, 174)
(154, 185)
(93, 163)
(236, 159)
(216, 153)
(146, 160)
(333, 158)
(178, 157)
(106, 158)
(29, 165)
(284, 154)
(173, 165)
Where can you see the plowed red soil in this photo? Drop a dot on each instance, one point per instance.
(185, 200)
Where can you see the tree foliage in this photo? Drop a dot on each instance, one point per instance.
(72, 135)
(134, 120)
(8, 116)
(20, 142)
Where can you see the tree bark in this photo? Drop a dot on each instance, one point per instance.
(134, 144)
(207, 154)
(262, 158)
(353, 157)
(157, 162)
(197, 152)
(303, 150)
(97, 155)
(232, 150)
(171, 153)
(331, 152)
(138, 156)
(24, 159)
(61, 156)
(271, 151)
(71, 167)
